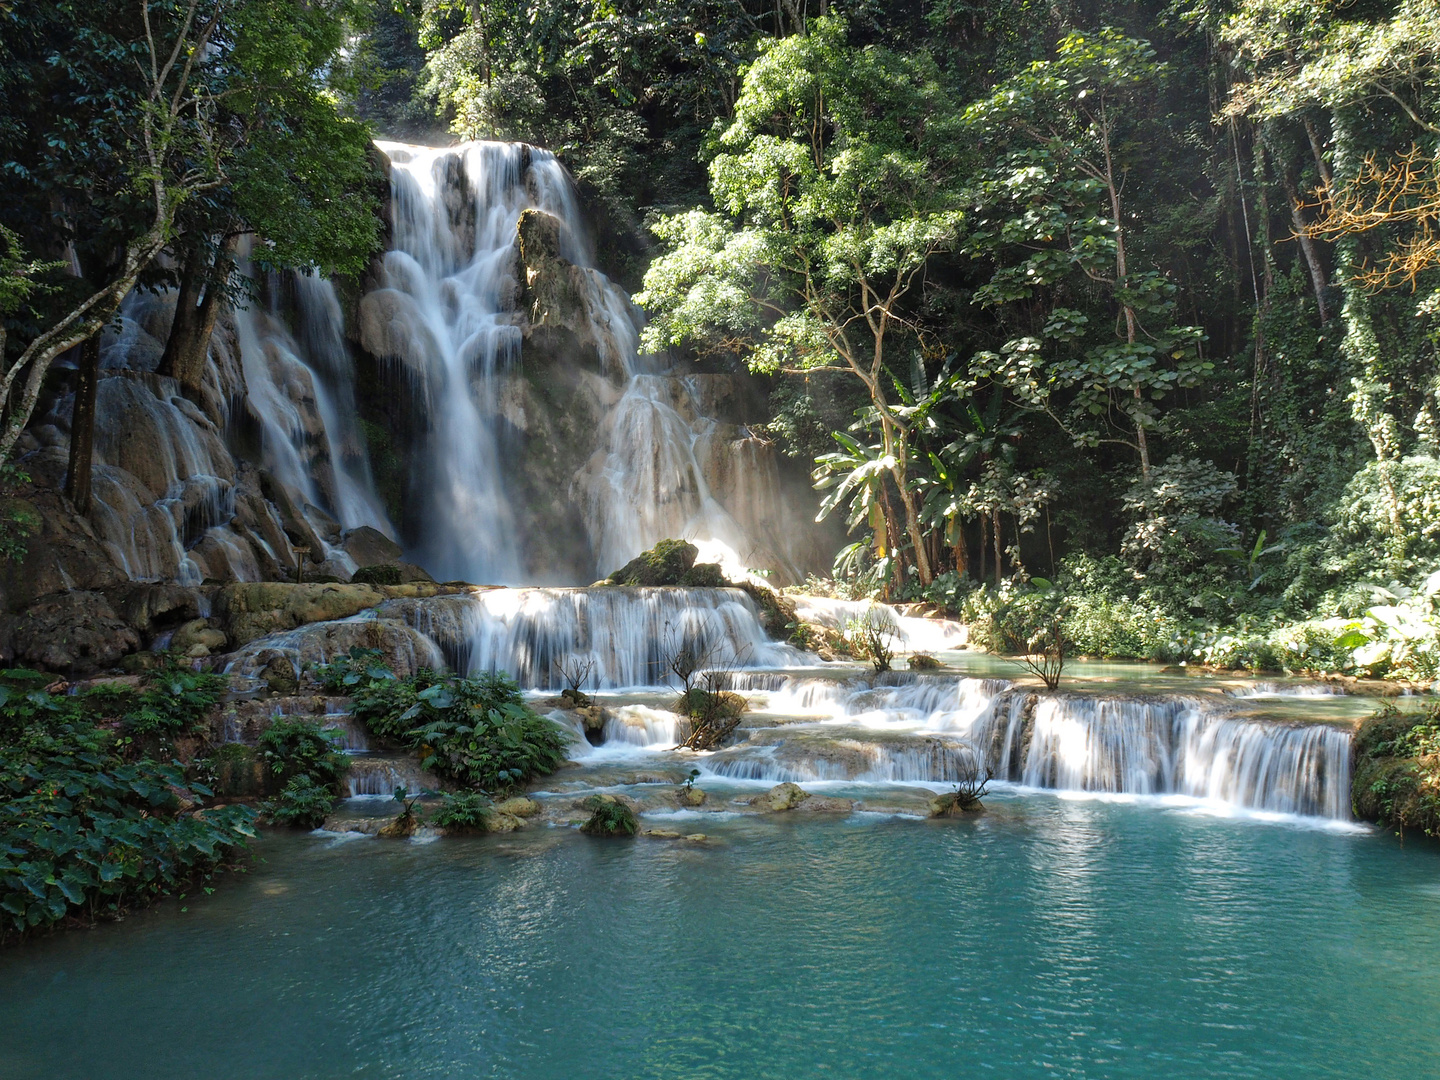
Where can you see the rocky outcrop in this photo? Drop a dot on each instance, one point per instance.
(253, 610)
(788, 796)
(371, 547)
(75, 632)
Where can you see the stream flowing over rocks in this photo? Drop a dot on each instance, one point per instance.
(474, 413)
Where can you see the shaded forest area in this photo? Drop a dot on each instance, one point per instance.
(1124, 317)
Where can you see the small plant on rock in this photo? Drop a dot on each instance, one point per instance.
(409, 820)
(463, 811)
(874, 635)
(302, 803)
(609, 817)
(965, 797)
(575, 672)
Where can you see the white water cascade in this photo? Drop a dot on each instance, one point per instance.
(448, 315)
(939, 730)
(622, 637)
(304, 400)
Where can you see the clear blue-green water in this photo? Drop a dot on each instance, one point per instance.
(1046, 938)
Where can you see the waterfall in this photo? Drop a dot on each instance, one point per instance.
(303, 399)
(623, 637)
(448, 316)
(942, 729)
(911, 634)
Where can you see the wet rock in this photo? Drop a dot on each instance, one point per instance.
(403, 649)
(781, 797)
(252, 610)
(370, 547)
(149, 607)
(687, 797)
(76, 632)
(921, 662)
(198, 633)
(519, 807)
(497, 821)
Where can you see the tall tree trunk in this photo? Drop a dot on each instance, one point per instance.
(984, 546)
(957, 540)
(995, 534)
(196, 310)
(1307, 245)
(82, 426)
(1141, 442)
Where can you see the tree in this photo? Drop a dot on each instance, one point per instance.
(1065, 132)
(837, 184)
(129, 121)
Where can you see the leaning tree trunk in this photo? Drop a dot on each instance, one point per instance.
(82, 427)
(197, 309)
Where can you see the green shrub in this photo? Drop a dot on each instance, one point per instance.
(609, 817)
(85, 833)
(463, 810)
(302, 803)
(477, 731)
(291, 746)
(175, 700)
(357, 667)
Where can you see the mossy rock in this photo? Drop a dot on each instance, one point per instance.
(1396, 779)
(705, 575)
(384, 574)
(777, 613)
(921, 662)
(664, 564)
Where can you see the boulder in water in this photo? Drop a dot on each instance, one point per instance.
(692, 796)
(518, 806)
(781, 797)
(664, 564)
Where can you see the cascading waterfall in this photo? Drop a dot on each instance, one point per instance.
(448, 315)
(303, 399)
(448, 302)
(626, 636)
(942, 730)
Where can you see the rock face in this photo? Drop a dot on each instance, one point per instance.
(371, 547)
(76, 631)
(254, 610)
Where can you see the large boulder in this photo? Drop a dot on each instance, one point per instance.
(371, 547)
(282, 661)
(252, 610)
(664, 564)
(75, 632)
(781, 797)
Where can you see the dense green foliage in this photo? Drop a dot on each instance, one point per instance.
(1397, 769)
(476, 731)
(463, 810)
(1043, 289)
(304, 757)
(87, 829)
